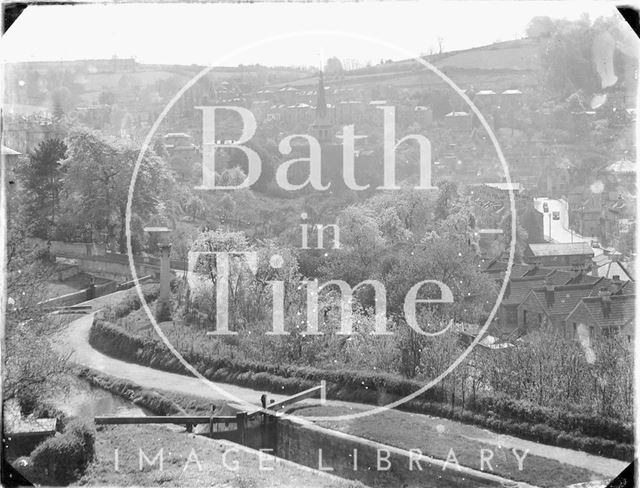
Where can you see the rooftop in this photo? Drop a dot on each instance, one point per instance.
(621, 310)
(561, 300)
(563, 249)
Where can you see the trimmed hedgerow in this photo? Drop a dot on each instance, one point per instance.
(131, 301)
(63, 458)
(594, 434)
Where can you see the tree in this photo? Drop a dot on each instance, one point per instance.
(31, 368)
(107, 98)
(568, 54)
(99, 172)
(42, 177)
(540, 26)
(333, 66)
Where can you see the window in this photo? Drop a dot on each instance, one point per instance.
(524, 317)
(628, 339)
(575, 329)
(591, 332)
(540, 318)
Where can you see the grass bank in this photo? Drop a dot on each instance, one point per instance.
(190, 460)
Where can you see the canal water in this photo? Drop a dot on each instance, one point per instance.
(86, 402)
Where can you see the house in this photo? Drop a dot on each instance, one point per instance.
(619, 216)
(622, 173)
(460, 121)
(587, 214)
(559, 255)
(179, 142)
(554, 302)
(532, 221)
(558, 178)
(515, 293)
(602, 316)
(551, 304)
(518, 289)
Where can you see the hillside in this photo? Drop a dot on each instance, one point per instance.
(498, 65)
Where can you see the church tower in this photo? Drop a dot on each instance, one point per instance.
(322, 129)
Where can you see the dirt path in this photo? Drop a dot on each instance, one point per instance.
(75, 340)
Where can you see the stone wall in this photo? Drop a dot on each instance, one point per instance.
(374, 464)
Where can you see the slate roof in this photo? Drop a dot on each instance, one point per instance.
(621, 310)
(629, 288)
(539, 271)
(519, 289)
(564, 249)
(585, 279)
(564, 298)
(517, 270)
(560, 277)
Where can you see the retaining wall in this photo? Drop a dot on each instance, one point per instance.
(304, 443)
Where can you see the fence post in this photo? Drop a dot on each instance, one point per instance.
(213, 407)
(241, 420)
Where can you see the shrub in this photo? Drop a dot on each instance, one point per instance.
(63, 458)
(131, 301)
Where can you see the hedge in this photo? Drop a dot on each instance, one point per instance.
(131, 301)
(63, 458)
(591, 433)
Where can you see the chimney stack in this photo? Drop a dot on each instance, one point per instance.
(616, 285)
(549, 292)
(605, 298)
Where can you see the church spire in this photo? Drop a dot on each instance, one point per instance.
(322, 126)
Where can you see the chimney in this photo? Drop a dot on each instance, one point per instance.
(605, 299)
(549, 292)
(616, 285)
(577, 273)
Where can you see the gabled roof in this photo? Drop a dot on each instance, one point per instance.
(563, 299)
(519, 288)
(621, 310)
(608, 268)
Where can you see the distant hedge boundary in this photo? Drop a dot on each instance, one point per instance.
(590, 433)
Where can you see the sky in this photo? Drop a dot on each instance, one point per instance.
(213, 33)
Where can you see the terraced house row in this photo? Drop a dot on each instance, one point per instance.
(577, 302)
